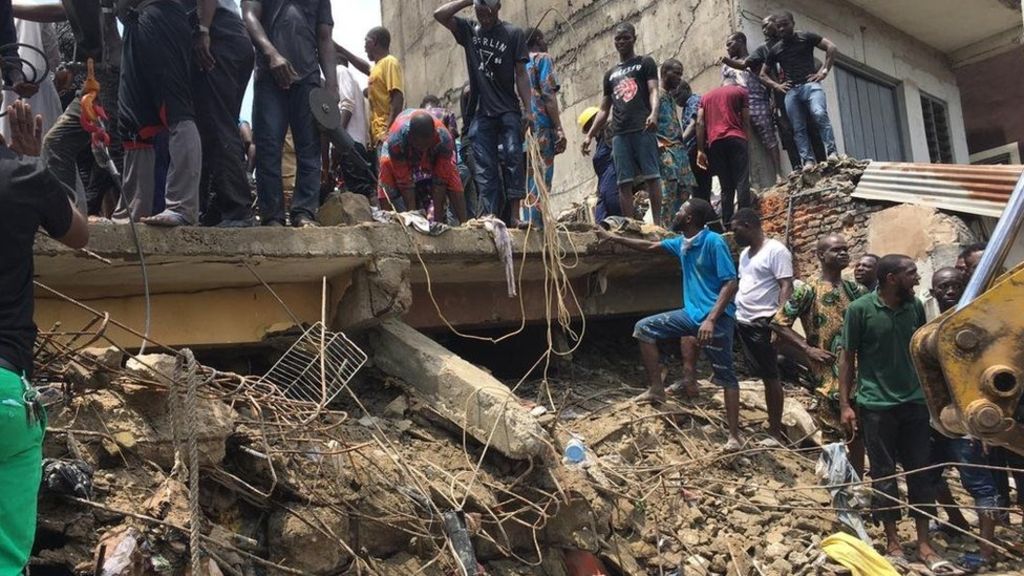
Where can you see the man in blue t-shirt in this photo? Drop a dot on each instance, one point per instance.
(708, 312)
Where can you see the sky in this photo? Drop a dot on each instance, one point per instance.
(352, 18)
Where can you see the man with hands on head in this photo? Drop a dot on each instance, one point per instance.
(496, 56)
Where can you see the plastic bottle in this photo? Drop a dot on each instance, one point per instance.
(575, 451)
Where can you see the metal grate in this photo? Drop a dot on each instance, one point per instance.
(317, 367)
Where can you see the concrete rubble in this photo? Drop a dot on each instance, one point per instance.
(360, 489)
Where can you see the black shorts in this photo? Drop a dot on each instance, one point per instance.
(760, 351)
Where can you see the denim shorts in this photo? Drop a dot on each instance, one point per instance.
(636, 157)
(678, 324)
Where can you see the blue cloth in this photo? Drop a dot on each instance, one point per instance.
(690, 115)
(707, 267)
(607, 183)
(810, 99)
(839, 475)
(487, 134)
(678, 324)
(274, 111)
(636, 157)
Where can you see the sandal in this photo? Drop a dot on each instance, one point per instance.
(166, 219)
(938, 566)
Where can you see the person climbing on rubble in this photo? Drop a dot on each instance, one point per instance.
(677, 181)
(805, 97)
(386, 86)
(723, 143)
(496, 56)
(631, 96)
(547, 124)
(156, 96)
(293, 47)
(967, 454)
(32, 198)
(820, 304)
(865, 272)
(877, 376)
(417, 166)
(708, 311)
(604, 169)
(766, 284)
(744, 69)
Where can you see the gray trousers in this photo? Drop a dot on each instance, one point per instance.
(182, 195)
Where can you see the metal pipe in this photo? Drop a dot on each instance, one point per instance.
(999, 246)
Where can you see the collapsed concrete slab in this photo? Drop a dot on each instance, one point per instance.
(235, 287)
(461, 392)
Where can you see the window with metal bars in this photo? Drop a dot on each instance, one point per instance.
(936, 128)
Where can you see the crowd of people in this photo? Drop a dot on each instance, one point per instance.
(174, 81)
(856, 348)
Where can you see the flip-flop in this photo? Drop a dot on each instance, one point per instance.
(647, 398)
(939, 566)
(166, 220)
(679, 390)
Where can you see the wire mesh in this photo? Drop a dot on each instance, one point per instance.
(317, 367)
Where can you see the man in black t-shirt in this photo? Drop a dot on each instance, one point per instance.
(794, 54)
(496, 56)
(30, 198)
(631, 95)
(293, 46)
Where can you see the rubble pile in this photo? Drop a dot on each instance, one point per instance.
(815, 202)
(372, 485)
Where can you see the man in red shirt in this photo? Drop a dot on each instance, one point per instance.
(723, 128)
(418, 160)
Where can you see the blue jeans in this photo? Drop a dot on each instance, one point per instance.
(487, 134)
(804, 99)
(678, 324)
(980, 483)
(274, 110)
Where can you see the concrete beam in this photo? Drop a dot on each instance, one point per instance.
(464, 394)
(231, 316)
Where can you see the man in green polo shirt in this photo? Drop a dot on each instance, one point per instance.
(891, 411)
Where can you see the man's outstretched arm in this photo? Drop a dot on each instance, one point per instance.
(634, 243)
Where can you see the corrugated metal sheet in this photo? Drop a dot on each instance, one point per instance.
(978, 190)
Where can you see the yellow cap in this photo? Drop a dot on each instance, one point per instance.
(587, 115)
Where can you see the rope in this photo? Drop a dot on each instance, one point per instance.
(186, 370)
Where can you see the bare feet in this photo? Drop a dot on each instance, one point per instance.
(733, 445)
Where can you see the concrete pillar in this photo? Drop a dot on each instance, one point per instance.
(462, 393)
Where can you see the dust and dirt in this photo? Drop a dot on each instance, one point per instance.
(365, 487)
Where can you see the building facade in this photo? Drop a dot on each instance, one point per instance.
(911, 76)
